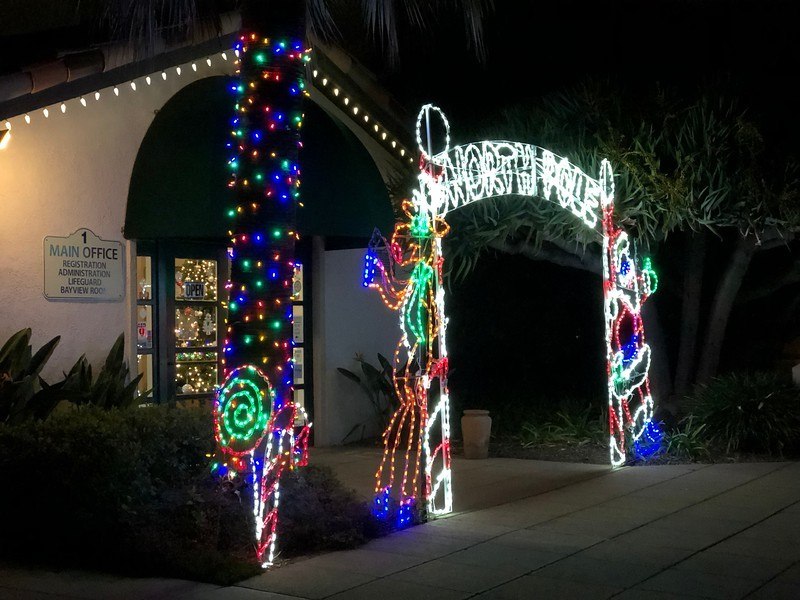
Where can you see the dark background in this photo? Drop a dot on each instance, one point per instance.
(539, 47)
(522, 329)
(525, 332)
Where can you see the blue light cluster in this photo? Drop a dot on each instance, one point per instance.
(630, 350)
(380, 505)
(369, 268)
(650, 442)
(406, 513)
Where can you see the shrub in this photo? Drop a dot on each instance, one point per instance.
(130, 491)
(23, 393)
(571, 425)
(378, 386)
(689, 440)
(757, 412)
(111, 387)
(123, 490)
(25, 396)
(318, 513)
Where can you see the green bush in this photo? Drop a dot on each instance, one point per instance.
(317, 513)
(122, 490)
(570, 425)
(689, 440)
(111, 387)
(756, 412)
(24, 395)
(129, 491)
(378, 386)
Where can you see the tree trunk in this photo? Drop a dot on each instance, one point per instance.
(660, 383)
(690, 312)
(724, 298)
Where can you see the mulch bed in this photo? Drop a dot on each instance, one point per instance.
(597, 454)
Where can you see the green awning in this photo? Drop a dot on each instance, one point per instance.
(179, 182)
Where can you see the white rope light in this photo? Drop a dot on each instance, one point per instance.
(316, 73)
(454, 178)
(115, 89)
(482, 170)
(425, 112)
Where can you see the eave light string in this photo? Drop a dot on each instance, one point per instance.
(121, 89)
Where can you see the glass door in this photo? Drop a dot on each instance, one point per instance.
(180, 313)
(145, 323)
(196, 316)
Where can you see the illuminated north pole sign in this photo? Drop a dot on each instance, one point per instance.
(82, 266)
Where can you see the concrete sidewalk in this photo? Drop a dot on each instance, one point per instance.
(533, 529)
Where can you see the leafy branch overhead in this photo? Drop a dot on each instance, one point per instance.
(145, 23)
(699, 165)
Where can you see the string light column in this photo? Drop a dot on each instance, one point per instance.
(265, 173)
(259, 429)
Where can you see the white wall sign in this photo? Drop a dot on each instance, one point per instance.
(297, 324)
(82, 266)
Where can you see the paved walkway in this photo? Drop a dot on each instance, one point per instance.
(532, 529)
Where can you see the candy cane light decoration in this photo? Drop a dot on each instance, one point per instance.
(259, 436)
(406, 270)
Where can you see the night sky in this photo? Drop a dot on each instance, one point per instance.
(525, 331)
(539, 47)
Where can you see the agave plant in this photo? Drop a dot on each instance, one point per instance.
(24, 394)
(378, 386)
(111, 388)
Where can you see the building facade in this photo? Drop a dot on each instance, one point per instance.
(113, 183)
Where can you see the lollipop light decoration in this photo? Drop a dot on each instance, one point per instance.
(259, 437)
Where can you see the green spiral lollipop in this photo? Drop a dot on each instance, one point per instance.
(241, 410)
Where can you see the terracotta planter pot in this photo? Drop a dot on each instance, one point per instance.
(476, 426)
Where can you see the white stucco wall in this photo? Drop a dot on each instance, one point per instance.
(348, 319)
(62, 173)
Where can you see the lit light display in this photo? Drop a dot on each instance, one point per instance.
(117, 92)
(625, 289)
(407, 274)
(406, 270)
(257, 349)
(259, 437)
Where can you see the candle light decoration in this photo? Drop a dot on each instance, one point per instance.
(263, 439)
(406, 270)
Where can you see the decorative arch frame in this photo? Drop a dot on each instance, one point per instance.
(407, 271)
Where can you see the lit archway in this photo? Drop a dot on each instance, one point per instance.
(406, 270)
